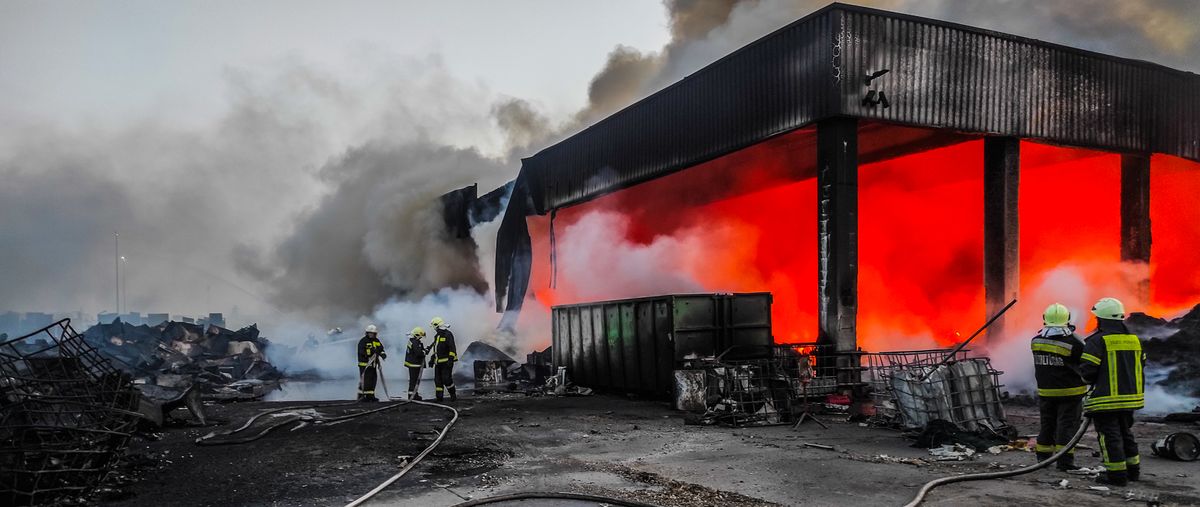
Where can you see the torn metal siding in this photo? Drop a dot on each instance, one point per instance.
(942, 75)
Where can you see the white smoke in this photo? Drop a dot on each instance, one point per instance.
(596, 262)
(1077, 286)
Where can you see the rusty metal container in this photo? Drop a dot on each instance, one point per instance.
(634, 345)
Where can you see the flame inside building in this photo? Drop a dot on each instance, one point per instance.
(746, 223)
(997, 167)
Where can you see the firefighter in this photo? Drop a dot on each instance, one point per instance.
(370, 352)
(1112, 363)
(414, 359)
(1060, 389)
(443, 358)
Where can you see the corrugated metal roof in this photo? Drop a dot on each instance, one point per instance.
(942, 75)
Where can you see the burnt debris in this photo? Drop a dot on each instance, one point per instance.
(169, 359)
(495, 371)
(66, 415)
(1172, 347)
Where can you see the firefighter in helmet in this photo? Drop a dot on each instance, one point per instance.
(414, 359)
(1060, 389)
(370, 352)
(443, 358)
(1112, 362)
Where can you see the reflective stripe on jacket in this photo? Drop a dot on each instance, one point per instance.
(414, 355)
(1056, 353)
(443, 346)
(368, 347)
(1112, 361)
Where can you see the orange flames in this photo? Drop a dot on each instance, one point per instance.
(747, 222)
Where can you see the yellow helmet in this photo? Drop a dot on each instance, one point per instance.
(437, 323)
(418, 332)
(1109, 308)
(1056, 315)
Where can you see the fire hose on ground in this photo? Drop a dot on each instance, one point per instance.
(417, 459)
(603, 500)
(208, 439)
(1001, 475)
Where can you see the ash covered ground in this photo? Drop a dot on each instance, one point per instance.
(607, 445)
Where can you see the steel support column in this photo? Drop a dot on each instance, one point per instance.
(1135, 215)
(837, 240)
(1001, 245)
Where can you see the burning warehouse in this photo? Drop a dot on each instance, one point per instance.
(892, 180)
(797, 241)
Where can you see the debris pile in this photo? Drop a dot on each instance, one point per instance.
(168, 359)
(757, 392)
(1173, 345)
(66, 415)
(496, 371)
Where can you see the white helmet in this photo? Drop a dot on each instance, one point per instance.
(372, 329)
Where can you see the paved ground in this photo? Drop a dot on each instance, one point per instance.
(604, 445)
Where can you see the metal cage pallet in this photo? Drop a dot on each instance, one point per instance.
(911, 388)
(65, 416)
(755, 392)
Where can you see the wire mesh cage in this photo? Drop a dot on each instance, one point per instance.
(775, 390)
(65, 416)
(912, 388)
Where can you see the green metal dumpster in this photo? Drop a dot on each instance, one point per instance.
(634, 345)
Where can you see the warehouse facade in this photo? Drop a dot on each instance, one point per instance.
(874, 85)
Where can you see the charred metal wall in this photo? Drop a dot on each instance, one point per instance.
(949, 75)
(941, 75)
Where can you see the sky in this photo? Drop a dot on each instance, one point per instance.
(93, 62)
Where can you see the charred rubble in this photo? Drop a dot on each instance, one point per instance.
(1174, 346)
(66, 416)
(495, 371)
(169, 360)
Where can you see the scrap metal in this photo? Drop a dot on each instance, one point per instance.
(66, 414)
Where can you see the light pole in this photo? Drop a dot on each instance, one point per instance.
(125, 283)
(117, 269)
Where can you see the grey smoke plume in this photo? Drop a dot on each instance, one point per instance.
(301, 197)
(380, 234)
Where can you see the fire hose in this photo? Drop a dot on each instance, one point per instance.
(1001, 475)
(603, 500)
(417, 459)
(207, 439)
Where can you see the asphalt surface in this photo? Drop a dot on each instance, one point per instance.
(604, 445)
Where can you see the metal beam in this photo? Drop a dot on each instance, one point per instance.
(837, 232)
(1135, 214)
(1001, 220)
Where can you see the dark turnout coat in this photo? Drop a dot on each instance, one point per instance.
(1112, 361)
(1056, 353)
